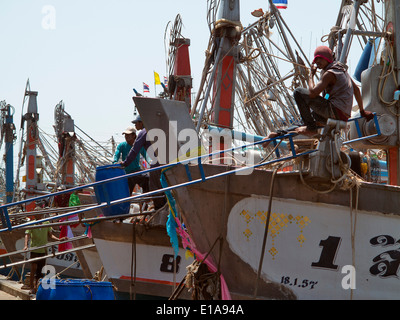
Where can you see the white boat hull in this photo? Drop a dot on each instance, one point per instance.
(319, 250)
(144, 265)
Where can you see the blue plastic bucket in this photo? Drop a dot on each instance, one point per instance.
(76, 289)
(111, 191)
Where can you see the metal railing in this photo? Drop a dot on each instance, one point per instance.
(358, 129)
(6, 217)
(54, 253)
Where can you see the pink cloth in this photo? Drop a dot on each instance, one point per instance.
(188, 243)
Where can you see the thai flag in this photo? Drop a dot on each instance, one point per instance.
(280, 4)
(146, 88)
(166, 81)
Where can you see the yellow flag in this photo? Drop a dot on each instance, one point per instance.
(156, 78)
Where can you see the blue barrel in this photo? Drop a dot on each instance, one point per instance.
(64, 289)
(111, 191)
(100, 290)
(42, 294)
(364, 60)
(76, 289)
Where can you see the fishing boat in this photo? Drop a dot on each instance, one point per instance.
(317, 231)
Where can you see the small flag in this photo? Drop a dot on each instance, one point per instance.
(280, 4)
(156, 78)
(166, 81)
(146, 88)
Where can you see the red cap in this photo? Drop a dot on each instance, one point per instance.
(323, 52)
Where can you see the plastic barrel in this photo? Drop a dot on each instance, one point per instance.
(42, 294)
(364, 61)
(111, 191)
(100, 290)
(64, 289)
(76, 289)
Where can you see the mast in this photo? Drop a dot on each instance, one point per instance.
(65, 131)
(32, 133)
(228, 31)
(178, 64)
(8, 132)
(182, 73)
(9, 138)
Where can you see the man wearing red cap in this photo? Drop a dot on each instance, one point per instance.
(337, 88)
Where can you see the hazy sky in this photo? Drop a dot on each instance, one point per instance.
(90, 54)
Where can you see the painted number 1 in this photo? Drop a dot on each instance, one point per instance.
(328, 254)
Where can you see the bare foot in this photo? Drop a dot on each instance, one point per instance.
(270, 136)
(304, 131)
